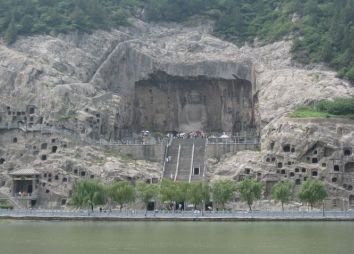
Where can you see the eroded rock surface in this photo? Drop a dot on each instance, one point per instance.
(299, 149)
(91, 85)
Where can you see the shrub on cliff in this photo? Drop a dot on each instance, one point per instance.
(338, 106)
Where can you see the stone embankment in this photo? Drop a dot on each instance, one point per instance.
(177, 216)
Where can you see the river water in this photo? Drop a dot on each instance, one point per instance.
(26, 237)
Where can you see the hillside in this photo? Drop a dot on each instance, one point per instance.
(323, 31)
(70, 102)
(93, 89)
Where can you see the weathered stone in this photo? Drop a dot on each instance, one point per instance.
(90, 87)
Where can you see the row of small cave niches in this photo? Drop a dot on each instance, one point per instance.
(48, 193)
(16, 116)
(313, 160)
(298, 175)
(336, 168)
(347, 151)
(50, 177)
(44, 149)
(94, 121)
(280, 165)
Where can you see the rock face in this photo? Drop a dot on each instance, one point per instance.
(282, 86)
(61, 160)
(165, 103)
(111, 84)
(91, 82)
(299, 149)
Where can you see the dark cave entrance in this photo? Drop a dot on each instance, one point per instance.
(163, 103)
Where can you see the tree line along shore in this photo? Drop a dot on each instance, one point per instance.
(88, 194)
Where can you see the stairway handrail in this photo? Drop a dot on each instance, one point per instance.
(192, 162)
(178, 158)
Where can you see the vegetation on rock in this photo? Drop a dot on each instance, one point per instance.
(323, 31)
(28, 17)
(342, 107)
(6, 205)
(338, 106)
(305, 112)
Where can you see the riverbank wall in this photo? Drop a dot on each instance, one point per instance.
(251, 217)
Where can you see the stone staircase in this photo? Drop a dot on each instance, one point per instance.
(198, 160)
(187, 158)
(170, 166)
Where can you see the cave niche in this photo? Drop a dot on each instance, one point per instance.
(349, 167)
(347, 152)
(164, 103)
(286, 148)
(351, 200)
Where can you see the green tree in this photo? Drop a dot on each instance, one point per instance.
(88, 193)
(223, 191)
(174, 192)
(250, 190)
(198, 193)
(312, 192)
(146, 192)
(168, 192)
(182, 192)
(121, 192)
(281, 191)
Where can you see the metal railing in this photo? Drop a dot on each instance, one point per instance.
(177, 214)
(27, 196)
(45, 129)
(246, 140)
(239, 139)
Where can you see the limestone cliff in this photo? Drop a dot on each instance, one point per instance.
(89, 87)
